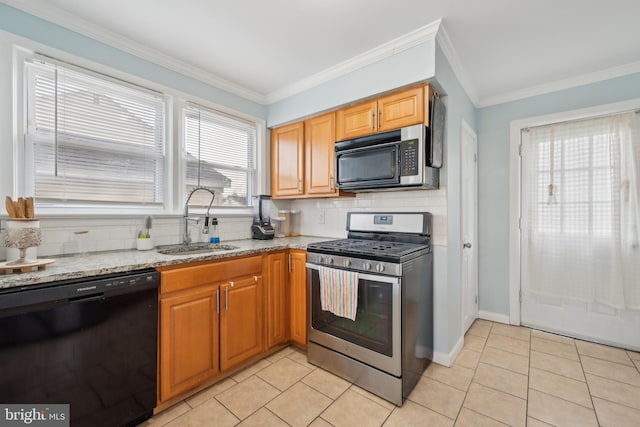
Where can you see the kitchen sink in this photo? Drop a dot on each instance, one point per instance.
(197, 248)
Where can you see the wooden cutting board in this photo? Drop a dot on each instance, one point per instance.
(40, 264)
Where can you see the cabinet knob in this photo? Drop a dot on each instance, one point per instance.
(231, 284)
(255, 278)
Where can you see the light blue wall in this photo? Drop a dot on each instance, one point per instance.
(47, 33)
(409, 66)
(493, 174)
(459, 107)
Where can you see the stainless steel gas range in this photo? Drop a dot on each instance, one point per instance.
(384, 269)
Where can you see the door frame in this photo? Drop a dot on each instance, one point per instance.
(465, 129)
(515, 178)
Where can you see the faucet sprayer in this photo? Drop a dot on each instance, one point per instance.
(186, 238)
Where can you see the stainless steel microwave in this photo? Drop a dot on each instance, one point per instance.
(399, 159)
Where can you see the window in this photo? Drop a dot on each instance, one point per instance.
(577, 170)
(581, 211)
(92, 140)
(220, 153)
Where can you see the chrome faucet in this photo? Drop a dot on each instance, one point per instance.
(186, 238)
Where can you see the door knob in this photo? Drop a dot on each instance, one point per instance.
(466, 245)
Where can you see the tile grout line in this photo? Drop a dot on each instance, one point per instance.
(595, 413)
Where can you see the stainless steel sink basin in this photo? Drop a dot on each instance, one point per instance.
(197, 248)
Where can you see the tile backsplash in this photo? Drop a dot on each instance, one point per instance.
(63, 236)
(319, 217)
(327, 217)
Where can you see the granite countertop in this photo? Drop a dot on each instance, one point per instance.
(95, 264)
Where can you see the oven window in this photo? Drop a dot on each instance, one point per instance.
(376, 164)
(373, 324)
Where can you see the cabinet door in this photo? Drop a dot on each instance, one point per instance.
(298, 295)
(241, 333)
(188, 340)
(277, 315)
(401, 109)
(287, 160)
(319, 140)
(356, 121)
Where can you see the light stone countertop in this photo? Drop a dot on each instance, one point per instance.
(98, 263)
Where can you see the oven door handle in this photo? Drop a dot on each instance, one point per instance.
(363, 276)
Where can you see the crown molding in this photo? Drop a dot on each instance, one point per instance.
(390, 48)
(456, 65)
(558, 85)
(110, 38)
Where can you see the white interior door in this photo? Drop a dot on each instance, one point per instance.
(563, 202)
(469, 178)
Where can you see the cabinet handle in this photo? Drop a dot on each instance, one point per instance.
(218, 300)
(289, 263)
(255, 278)
(372, 123)
(299, 186)
(226, 298)
(379, 118)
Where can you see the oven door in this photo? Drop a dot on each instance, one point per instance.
(374, 336)
(368, 167)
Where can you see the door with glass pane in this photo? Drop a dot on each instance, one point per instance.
(580, 233)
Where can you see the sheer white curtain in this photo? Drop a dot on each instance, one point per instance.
(581, 212)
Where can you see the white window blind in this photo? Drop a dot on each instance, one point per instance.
(581, 216)
(220, 153)
(92, 140)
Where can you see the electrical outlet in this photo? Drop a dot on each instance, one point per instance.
(321, 216)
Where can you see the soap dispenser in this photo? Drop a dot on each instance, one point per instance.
(214, 237)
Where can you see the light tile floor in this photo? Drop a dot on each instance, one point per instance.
(505, 375)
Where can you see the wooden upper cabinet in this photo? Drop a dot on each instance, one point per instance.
(287, 160)
(356, 121)
(401, 109)
(394, 111)
(319, 140)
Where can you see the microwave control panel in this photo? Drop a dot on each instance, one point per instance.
(409, 157)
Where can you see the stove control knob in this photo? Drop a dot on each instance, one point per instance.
(366, 265)
(329, 260)
(320, 260)
(379, 268)
(347, 263)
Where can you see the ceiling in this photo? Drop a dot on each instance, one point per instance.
(265, 50)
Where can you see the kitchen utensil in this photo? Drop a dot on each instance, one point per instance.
(30, 209)
(20, 208)
(11, 208)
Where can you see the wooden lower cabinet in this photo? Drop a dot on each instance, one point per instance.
(276, 299)
(298, 297)
(188, 340)
(241, 320)
(217, 315)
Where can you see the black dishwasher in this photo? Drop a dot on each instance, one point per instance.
(90, 343)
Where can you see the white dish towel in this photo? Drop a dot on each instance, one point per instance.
(339, 292)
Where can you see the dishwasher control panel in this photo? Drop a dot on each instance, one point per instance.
(78, 289)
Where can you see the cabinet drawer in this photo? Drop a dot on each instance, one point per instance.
(215, 271)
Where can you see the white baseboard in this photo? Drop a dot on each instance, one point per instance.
(493, 317)
(447, 359)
